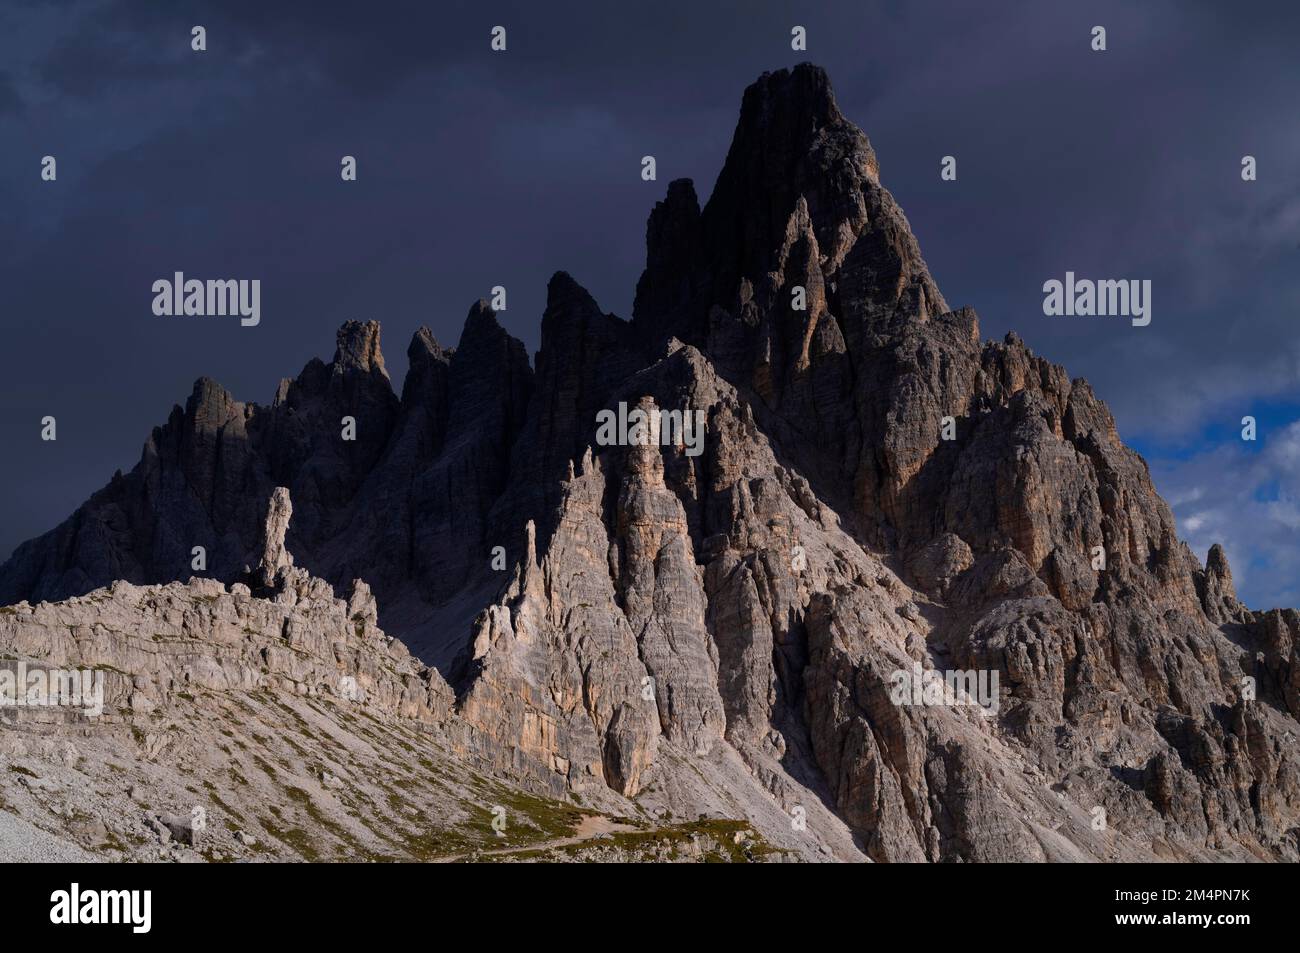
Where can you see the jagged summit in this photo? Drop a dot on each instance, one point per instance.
(798, 96)
(275, 554)
(791, 141)
(876, 490)
(358, 348)
(798, 205)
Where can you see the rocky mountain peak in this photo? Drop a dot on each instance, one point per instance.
(788, 117)
(1216, 564)
(275, 555)
(427, 364)
(791, 142)
(798, 262)
(424, 348)
(481, 319)
(483, 338)
(358, 348)
(1217, 592)
(210, 405)
(674, 253)
(567, 302)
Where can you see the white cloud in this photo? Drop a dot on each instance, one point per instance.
(1248, 501)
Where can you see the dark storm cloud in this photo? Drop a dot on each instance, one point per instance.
(479, 169)
(10, 101)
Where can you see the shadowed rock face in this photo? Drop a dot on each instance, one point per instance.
(403, 504)
(667, 621)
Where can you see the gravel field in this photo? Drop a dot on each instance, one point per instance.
(23, 842)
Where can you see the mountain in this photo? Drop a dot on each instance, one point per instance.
(664, 634)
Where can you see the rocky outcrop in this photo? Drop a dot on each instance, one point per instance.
(275, 555)
(293, 635)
